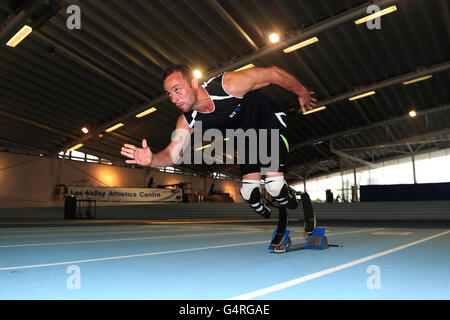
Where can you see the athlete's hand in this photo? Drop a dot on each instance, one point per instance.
(141, 156)
(306, 101)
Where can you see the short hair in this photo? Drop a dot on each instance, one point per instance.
(185, 70)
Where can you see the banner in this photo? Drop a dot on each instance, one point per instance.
(126, 194)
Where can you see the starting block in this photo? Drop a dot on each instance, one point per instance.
(315, 241)
(285, 242)
(281, 241)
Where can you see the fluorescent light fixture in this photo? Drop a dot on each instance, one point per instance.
(203, 147)
(197, 74)
(412, 114)
(249, 66)
(370, 93)
(315, 110)
(376, 15)
(146, 112)
(114, 127)
(229, 156)
(418, 79)
(19, 36)
(301, 44)
(78, 146)
(274, 38)
(85, 130)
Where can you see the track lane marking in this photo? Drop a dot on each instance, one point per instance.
(157, 253)
(293, 282)
(123, 239)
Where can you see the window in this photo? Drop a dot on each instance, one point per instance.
(430, 167)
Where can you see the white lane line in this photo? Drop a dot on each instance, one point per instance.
(67, 233)
(391, 233)
(155, 253)
(153, 237)
(290, 283)
(123, 239)
(131, 256)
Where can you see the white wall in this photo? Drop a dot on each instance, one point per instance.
(29, 181)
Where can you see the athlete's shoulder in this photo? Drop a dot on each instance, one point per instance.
(217, 88)
(187, 119)
(214, 86)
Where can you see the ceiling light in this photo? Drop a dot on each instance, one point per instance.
(418, 79)
(146, 112)
(412, 114)
(370, 93)
(274, 38)
(249, 66)
(376, 15)
(203, 147)
(301, 45)
(197, 74)
(85, 130)
(314, 110)
(19, 36)
(78, 146)
(114, 127)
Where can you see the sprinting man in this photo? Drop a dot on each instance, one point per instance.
(231, 101)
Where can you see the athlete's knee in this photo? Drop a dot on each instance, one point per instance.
(280, 191)
(274, 185)
(247, 188)
(251, 192)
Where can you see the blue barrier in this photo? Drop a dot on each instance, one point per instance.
(406, 192)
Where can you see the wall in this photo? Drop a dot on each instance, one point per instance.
(29, 181)
(384, 212)
(24, 180)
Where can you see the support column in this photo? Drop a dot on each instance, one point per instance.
(355, 190)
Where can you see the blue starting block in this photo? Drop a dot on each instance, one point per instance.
(286, 239)
(316, 241)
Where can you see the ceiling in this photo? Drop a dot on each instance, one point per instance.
(58, 79)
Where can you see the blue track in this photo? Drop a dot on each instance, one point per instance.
(220, 261)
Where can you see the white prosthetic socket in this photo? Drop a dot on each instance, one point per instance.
(248, 186)
(278, 188)
(251, 192)
(274, 185)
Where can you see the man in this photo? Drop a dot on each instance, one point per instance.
(230, 100)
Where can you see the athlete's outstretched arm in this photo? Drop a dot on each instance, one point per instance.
(238, 83)
(170, 155)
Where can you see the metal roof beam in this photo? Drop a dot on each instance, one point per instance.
(371, 126)
(350, 157)
(233, 22)
(407, 141)
(35, 124)
(298, 36)
(301, 35)
(385, 83)
(23, 17)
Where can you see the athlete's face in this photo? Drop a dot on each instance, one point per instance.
(182, 93)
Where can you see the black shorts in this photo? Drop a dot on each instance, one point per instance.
(260, 112)
(261, 165)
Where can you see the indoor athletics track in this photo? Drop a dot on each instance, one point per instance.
(173, 261)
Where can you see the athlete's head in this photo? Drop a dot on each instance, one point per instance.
(181, 86)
